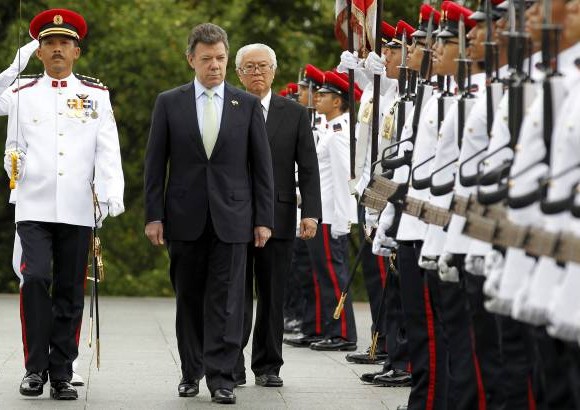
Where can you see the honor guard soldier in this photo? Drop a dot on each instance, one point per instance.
(374, 267)
(312, 327)
(329, 248)
(63, 138)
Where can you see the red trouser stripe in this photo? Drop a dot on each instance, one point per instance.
(481, 404)
(382, 270)
(432, 349)
(317, 307)
(531, 398)
(22, 267)
(333, 278)
(23, 324)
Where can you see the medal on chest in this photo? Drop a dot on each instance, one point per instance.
(367, 112)
(389, 124)
(82, 107)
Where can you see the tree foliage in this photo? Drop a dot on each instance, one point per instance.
(136, 47)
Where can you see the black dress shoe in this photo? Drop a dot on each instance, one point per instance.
(269, 380)
(32, 384)
(223, 396)
(365, 358)
(334, 344)
(63, 390)
(370, 377)
(393, 378)
(302, 340)
(188, 388)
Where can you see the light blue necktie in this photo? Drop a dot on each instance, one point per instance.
(210, 126)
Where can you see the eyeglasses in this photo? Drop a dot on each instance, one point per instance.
(261, 68)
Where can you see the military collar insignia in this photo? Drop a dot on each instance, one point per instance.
(336, 127)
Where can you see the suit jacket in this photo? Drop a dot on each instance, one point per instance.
(291, 142)
(235, 185)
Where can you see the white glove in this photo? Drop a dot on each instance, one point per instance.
(371, 218)
(428, 262)
(474, 264)
(116, 207)
(19, 163)
(375, 64)
(446, 272)
(349, 61)
(104, 213)
(382, 244)
(493, 268)
(516, 272)
(8, 76)
(387, 218)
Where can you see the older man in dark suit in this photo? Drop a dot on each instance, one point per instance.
(291, 144)
(218, 197)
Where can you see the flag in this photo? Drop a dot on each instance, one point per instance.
(362, 22)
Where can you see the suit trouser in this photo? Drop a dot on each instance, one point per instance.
(312, 324)
(464, 381)
(293, 301)
(397, 344)
(574, 372)
(487, 342)
(329, 258)
(374, 269)
(427, 353)
(51, 323)
(269, 266)
(207, 275)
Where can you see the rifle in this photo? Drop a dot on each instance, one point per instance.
(98, 276)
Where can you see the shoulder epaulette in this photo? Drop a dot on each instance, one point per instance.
(91, 81)
(33, 77)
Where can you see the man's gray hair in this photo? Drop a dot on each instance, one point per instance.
(206, 33)
(252, 47)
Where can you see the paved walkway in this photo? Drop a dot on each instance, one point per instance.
(140, 367)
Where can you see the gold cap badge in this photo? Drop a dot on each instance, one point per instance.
(57, 19)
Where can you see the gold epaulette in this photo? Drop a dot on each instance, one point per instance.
(91, 81)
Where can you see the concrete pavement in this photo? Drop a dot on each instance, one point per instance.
(140, 367)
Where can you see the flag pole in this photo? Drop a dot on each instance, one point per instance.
(376, 85)
(351, 99)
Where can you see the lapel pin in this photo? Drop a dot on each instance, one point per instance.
(234, 103)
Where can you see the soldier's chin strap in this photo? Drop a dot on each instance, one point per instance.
(14, 154)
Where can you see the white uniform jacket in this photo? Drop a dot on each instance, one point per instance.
(68, 132)
(333, 150)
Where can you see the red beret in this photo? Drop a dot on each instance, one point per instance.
(388, 31)
(336, 83)
(312, 75)
(58, 21)
(292, 88)
(425, 13)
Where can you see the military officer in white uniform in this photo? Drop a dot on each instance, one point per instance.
(61, 128)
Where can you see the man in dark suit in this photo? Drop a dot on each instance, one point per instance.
(219, 188)
(291, 144)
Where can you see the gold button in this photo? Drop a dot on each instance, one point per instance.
(61, 153)
(60, 113)
(60, 134)
(35, 120)
(60, 173)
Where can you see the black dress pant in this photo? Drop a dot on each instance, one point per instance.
(486, 337)
(310, 307)
(427, 353)
(329, 258)
(208, 278)
(267, 268)
(396, 338)
(51, 317)
(465, 390)
(293, 301)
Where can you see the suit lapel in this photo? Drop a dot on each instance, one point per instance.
(275, 115)
(188, 102)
